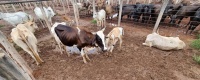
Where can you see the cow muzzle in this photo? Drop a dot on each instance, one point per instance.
(105, 49)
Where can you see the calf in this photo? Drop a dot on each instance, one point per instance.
(113, 37)
(70, 36)
(164, 43)
(25, 39)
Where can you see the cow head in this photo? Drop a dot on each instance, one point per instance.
(51, 11)
(100, 39)
(31, 25)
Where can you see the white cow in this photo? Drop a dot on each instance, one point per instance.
(164, 43)
(15, 18)
(48, 12)
(100, 17)
(25, 39)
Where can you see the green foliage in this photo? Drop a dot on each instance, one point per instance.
(94, 21)
(195, 44)
(196, 58)
(198, 36)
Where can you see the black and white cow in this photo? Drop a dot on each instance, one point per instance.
(70, 36)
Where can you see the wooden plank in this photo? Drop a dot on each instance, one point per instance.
(75, 13)
(15, 2)
(127, 2)
(20, 4)
(7, 67)
(120, 12)
(76, 8)
(24, 69)
(160, 15)
(68, 5)
(4, 8)
(1, 9)
(64, 7)
(45, 17)
(13, 7)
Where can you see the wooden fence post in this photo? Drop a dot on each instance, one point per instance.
(21, 7)
(160, 15)
(8, 67)
(127, 2)
(22, 67)
(76, 8)
(75, 13)
(45, 17)
(14, 7)
(4, 8)
(64, 8)
(1, 9)
(68, 5)
(120, 12)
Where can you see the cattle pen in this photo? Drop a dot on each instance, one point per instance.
(133, 61)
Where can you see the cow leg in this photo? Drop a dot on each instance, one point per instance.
(114, 43)
(86, 55)
(33, 47)
(32, 55)
(120, 43)
(83, 55)
(36, 53)
(63, 47)
(59, 45)
(29, 52)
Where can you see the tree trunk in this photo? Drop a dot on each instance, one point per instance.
(160, 15)
(120, 12)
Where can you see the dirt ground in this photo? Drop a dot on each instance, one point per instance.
(133, 62)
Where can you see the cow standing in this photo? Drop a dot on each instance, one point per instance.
(70, 36)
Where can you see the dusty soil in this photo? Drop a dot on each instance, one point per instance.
(133, 62)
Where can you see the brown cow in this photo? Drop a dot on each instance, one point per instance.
(70, 36)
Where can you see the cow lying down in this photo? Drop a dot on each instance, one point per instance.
(164, 43)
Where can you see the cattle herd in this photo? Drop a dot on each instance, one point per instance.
(148, 13)
(65, 35)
